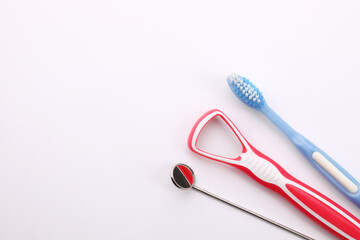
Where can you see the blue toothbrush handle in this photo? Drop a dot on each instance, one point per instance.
(337, 175)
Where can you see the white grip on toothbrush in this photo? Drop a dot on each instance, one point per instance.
(334, 172)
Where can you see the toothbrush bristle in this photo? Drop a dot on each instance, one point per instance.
(246, 91)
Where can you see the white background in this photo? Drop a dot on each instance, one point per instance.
(97, 99)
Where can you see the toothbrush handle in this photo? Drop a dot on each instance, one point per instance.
(337, 175)
(312, 203)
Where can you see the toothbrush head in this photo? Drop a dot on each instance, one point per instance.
(246, 91)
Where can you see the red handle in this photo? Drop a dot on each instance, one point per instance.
(341, 223)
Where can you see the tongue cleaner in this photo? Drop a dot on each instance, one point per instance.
(183, 177)
(270, 174)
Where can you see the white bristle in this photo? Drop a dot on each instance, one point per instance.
(231, 79)
(246, 91)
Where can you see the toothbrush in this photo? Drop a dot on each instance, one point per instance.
(249, 94)
(270, 174)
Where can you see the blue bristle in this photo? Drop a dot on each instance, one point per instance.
(246, 91)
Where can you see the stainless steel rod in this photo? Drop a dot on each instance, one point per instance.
(253, 213)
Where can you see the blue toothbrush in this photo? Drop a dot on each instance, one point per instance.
(249, 94)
